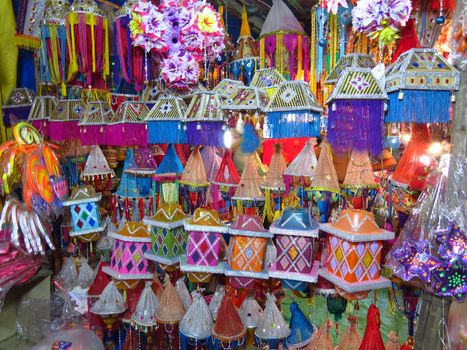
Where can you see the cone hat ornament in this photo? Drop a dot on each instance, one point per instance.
(85, 275)
(393, 342)
(197, 322)
(110, 302)
(171, 308)
(250, 312)
(228, 329)
(246, 58)
(148, 304)
(167, 174)
(183, 293)
(322, 340)
(302, 330)
(372, 338)
(97, 171)
(351, 339)
(248, 192)
(216, 300)
(272, 328)
(194, 182)
(359, 174)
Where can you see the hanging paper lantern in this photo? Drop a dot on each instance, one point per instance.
(40, 113)
(97, 171)
(166, 177)
(351, 339)
(267, 80)
(302, 330)
(110, 302)
(196, 324)
(144, 316)
(128, 125)
(420, 84)
(294, 231)
(228, 331)
(101, 280)
(87, 28)
(372, 338)
(216, 300)
(226, 87)
(250, 314)
(168, 316)
(322, 339)
(292, 112)
(351, 60)
(18, 106)
(164, 121)
(204, 120)
(63, 122)
(116, 99)
(356, 112)
(93, 123)
(183, 293)
(353, 260)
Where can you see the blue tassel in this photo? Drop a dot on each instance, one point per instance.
(166, 132)
(170, 163)
(250, 140)
(278, 125)
(419, 106)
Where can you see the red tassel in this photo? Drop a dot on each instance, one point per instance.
(141, 208)
(409, 39)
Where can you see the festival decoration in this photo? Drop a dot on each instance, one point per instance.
(322, 339)
(246, 99)
(283, 43)
(250, 314)
(351, 339)
(246, 58)
(168, 237)
(167, 175)
(294, 232)
(204, 120)
(164, 121)
(267, 80)
(272, 329)
(128, 125)
(110, 302)
(353, 258)
(381, 19)
(85, 23)
(372, 338)
(183, 293)
(28, 24)
(196, 324)
(420, 85)
(216, 300)
(40, 113)
(169, 315)
(292, 112)
(100, 281)
(226, 87)
(450, 279)
(228, 331)
(18, 106)
(84, 208)
(128, 265)
(351, 60)
(302, 330)
(248, 245)
(93, 124)
(357, 93)
(182, 33)
(97, 171)
(63, 122)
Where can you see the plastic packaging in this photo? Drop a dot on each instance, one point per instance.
(80, 339)
(459, 32)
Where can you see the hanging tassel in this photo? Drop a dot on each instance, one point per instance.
(261, 53)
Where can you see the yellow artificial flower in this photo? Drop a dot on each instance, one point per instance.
(135, 24)
(207, 21)
(386, 36)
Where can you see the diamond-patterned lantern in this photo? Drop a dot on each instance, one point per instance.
(17, 106)
(128, 126)
(63, 122)
(226, 87)
(84, 207)
(353, 258)
(168, 236)
(128, 265)
(295, 231)
(93, 121)
(205, 243)
(248, 244)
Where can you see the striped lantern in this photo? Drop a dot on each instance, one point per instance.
(164, 121)
(40, 113)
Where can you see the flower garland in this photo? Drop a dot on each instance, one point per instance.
(182, 33)
(381, 18)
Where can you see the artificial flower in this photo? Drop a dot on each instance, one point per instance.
(136, 25)
(207, 20)
(333, 5)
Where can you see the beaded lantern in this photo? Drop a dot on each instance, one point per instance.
(205, 243)
(144, 317)
(250, 313)
(168, 317)
(110, 302)
(166, 177)
(116, 99)
(40, 113)
(267, 80)
(226, 87)
(86, 23)
(194, 182)
(292, 112)
(248, 198)
(283, 43)
(273, 186)
(18, 106)
(356, 112)
(128, 126)
(101, 280)
(97, 171)
(128, 265)
(93, 123)
(353, 255)
(53, 68)
(420, 85)
(294, 232)
(204, 120)
(248, 243)
(351, 60)
(84, 208)
(196, 324)
(223, 187)
(143, 168)
(299, 174)
(228, 331)
(246, 58)
(63, 122)
(165, 121)
(168, 236)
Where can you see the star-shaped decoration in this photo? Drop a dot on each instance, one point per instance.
(453, 244)
(450, 280)
(415, 260)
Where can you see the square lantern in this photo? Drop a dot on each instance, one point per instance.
(164, 121)
(168, 236)
(18, 106)
(226, 87)
(40, 113)
(63, 122)
(353, 257)
(295, 231)
(85, 215)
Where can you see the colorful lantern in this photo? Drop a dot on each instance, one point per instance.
(353, 258)
(322, 340)
(372, 339)
(40, 113)
(116, 99)
(169, 315)
(283, 43)
(194, 182)
(84, 207)
(226, 87)
(93, 123)
(196, 324)
(167, 175)
(294, 264)
(302, 330)
(88, 47)
(228, 331)
(248, 245)
(18, 106)
(420, 84)
(292, 112)
(110, 302)
(246, 99)
(272, 330)
(204, 120)
(168, 236)
(250, 313)
(128, 125)
(325, 186)
(63, 122)
(164, 121)
(246, 58)
(101, 280)
(128, 265)
(351, 60)
(356, 112)
(351, 339)
(97, 171)
(267, 80)
(144, 316)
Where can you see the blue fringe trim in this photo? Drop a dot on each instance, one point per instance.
(166, 132)
(278, 126)
(170, 163)
(419, 106)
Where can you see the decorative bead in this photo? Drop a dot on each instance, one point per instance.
(440, 20)
(322, 42)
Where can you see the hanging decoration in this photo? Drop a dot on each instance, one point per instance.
(196, 324)
(350, 60)
(18, 106)
(40, 113)
(63, 122)
(226, 87)
(302, 331)
(228, 331)
(267, 80)
(96, 171)
(127, 126)
(93, 123)
(164, 121)
(167, 176)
